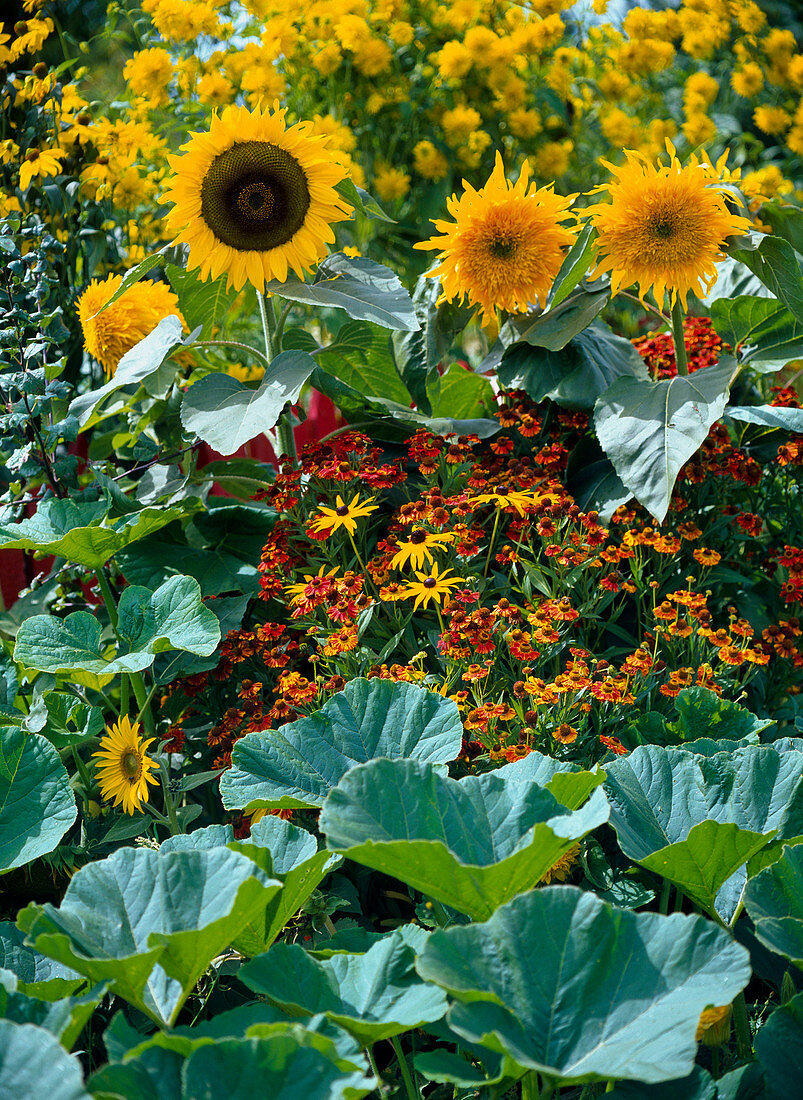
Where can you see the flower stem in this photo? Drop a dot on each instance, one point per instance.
(169, 804)
(409, 1083)
(284, 429)
(84, 774)
(678, 338)
(491, 542)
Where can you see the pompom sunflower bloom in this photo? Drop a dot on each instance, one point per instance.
(255, 197)
(506, 243)
(123, 767)
(135, 314)
(665, 226)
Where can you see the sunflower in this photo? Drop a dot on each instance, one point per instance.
(123, 768)
(134, 315)
(254, 197)
(417, 549)
(664, 227)
(506, 244)
(343, 515)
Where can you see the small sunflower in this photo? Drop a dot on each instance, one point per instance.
(254, 197)
(123, 769)
(416, 550)
(506, 244)
(664, 227)
(343, 515)
(134, 315)
(430, 586)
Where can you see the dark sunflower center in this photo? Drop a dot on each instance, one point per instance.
(254, 196)
(503, 247)
(664, 227)
(130, 764)
(418, 536)
(342, 510)
(430, 582)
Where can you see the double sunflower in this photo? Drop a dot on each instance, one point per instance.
(255, 197)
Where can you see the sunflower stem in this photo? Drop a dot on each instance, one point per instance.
(143, 702)
(169, 804)
(678, 338)
(409, 1083)
(284, 427)
(83, 773)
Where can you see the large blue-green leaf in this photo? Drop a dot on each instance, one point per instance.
(771, 416)
(298, 764)
(669, 807)
(373, 996)
(80, 531)
(779, 1048)
(65, 1019)
(172, 617)
(649, 430)
(36, 975)
(578, 373)
(37, 805)
(569, 783)
(366, 290)
(472, 843)
(33, 1063)
(226, 413)
(203, 302)
(63, 719)
(774, 901)
(776, 264)
(579, 991)
(150, 924)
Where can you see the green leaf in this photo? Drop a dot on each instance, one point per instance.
(771, 416)
(82, 532)
(768, 333)
(172, 617)
(702, 863)
(699, 1085)
(282, 1066)
(733, 279)
(472, 843)
(133, 275)
(373, 996)
(463, 394)
(786, 222)
(362, 201)
(704, 714)
(203, 302)
(569, 986)
(592, 480)
(63, 719)
(779, 1049)
(148, 923)
(579, 373)
(649, 430)
(368, 367)
(569, 783)
(137, 365)
(37, 806)
(37, 975)
(776, 264)
(366, 290)
(298, 764)
(64, 1019)
(658, 795)
(291, 855)
(555, 327)
(33, 1063)
(774, 901)
(155, 1074)
(576, 264)
(226, 413)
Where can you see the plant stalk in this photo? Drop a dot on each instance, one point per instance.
(678, 338)
(409, 1083)
(169, 804)
(284, 428)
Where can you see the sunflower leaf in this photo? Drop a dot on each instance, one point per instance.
(764, 332)
(777, 265)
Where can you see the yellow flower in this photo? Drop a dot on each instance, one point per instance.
(343, 515)
(664, 228)
(772, 120)
(503, 497)
(216, 89)
(560, 871)
(506, 243)
(417, 549)
(714, 1026)
(390, 183)
(430, 586)
(372, 57)
(747, 80)
(148, 73)
(123, 769)
(429, 161)
(40, 163)
(136, 313)
(453, 60)
(254, 197)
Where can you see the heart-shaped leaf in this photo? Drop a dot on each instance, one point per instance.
(37, 805)
(659, 795)
(150, 924)
(579, 991)
(472, 843)
(568, 782)
(172, 617)
(650, 429)
(65, 1019)
(298, 764)
(765, 332)
(779, 1049)
(33, 1063)
(36, 975)
(373, 996)
(226, 414)
(774, 901)
(776, 264)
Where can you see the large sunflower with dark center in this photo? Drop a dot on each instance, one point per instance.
(255, 197)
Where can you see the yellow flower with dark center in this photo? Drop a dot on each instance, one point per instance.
(417, 549)
(343, 515)
(430, 586)
(135, 314)
(123, 769)
(254, 197)
(503, 497)
(664, 227)
(505, 246)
